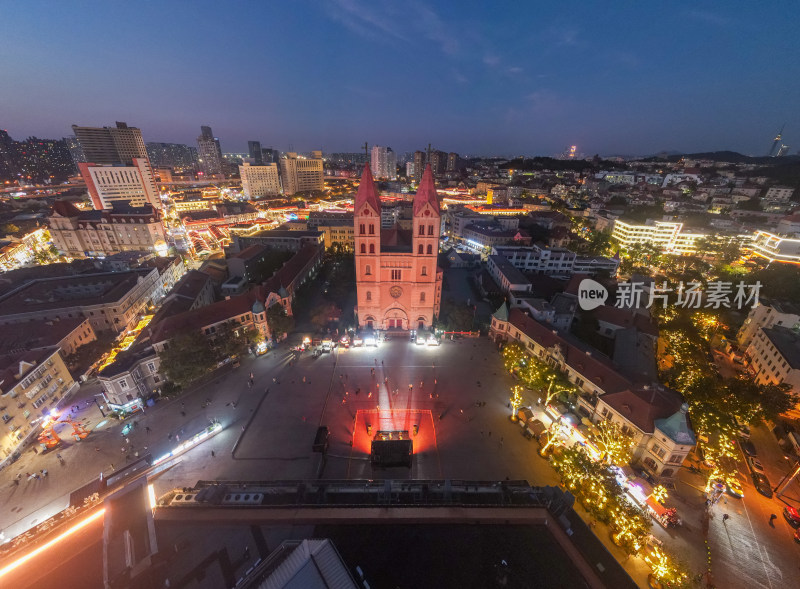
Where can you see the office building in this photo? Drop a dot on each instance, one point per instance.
(133, 184)
(452, 162)
(301, 174)
(209, 153)
(666, 235)
(110, 145)
(270, 155)
(259, 181)
(256, 154)
(420, 160)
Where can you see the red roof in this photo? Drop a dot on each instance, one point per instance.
(426, 193)
(643, 405)
(366, 192)
(288, 273)
(592, 366)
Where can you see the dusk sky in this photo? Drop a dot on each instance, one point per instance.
(473, 77)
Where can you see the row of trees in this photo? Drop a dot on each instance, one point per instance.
(535, 374)
(596, 487)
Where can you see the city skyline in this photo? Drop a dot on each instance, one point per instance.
(530, 81)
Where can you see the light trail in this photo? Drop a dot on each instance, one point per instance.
(22, 560)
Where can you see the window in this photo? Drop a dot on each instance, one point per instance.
(123, 383)
(368, 271)
(151, 366)
(430, 249)
(658, 451)
(422, 297)
(363, 248)
(395, 274)
(676, 459)
(430, 229)
(422, 229)
(361, 229)
(372, 248)
(371, 229)
(369, 296)
(424, 271)
(419, 250)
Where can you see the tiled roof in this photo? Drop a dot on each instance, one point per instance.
(593, 367)
(642, 406)
(426, 192)
(366, 192)
(288, 273)
(625, 318)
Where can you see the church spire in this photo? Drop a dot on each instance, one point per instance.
(366, 192)
(426, 192)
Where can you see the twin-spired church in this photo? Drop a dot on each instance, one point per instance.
(399, 284)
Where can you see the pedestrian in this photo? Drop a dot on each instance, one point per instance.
(242, 428)
(127, 440)
(213, 455)
(177, 438)
(251, 376)
(501, 441)
(147, 429)
(772, 518)
(725, 517)
(35, 451)
(490, 433)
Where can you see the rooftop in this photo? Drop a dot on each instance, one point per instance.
(34, 335)
(643, 405)
(787, 341)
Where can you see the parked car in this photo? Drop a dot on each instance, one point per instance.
(792, 516)
(734, 486)
(744, 432)
(748, 447)
(755, 465)
(762, 485)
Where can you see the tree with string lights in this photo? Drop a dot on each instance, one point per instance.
(615, 444)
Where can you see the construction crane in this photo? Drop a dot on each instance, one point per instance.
(776, 143)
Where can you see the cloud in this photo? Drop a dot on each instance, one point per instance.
(513, 70)
(565, 37)
(460, 78)
(491, 60)
(711, 18)
(383, 20)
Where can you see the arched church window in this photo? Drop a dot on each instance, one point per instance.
(372, 248)
(363, 248)
(430, 249)
(419, 250)
(430, 229)
(369, 270)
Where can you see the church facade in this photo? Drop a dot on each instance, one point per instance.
(398, 281)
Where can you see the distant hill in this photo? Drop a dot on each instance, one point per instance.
(732, 157)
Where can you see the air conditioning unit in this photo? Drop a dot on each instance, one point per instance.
(243, 498)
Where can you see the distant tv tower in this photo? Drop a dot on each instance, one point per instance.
(777, 142)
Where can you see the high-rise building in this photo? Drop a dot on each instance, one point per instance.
(398, 282)
(134, 184)
(452, 162)
(43, 160)
(410, 170)
(383, 163)
(8, 161)
(254, 147)
(301, 174)
(75, 150)
(259, 181)
(420, 161)
(181, 158)
(110, 145)
(270, 156)
(209, 153)
(438, 162)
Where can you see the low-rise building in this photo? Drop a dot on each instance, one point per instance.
(507, 277)
(32, 383)
(773, 357)
(280, 239)
(66, 334)
(111, 301)
(667, 235)
(131, 378)
(652, 414)
(103, 233)
(767, 314)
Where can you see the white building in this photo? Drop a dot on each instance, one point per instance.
(108, 184)
(556, 261)
(667, 235)
(767, 315)
(383, 163)
(301, 174)
(782, 193)
(260, 181)
(774, 357)
(775, 248)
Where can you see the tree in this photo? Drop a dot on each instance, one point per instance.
(516, 399)
(233, 340)
(279, 321)
(616, 445)
(187, 357)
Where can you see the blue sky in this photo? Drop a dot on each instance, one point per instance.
(473, 77)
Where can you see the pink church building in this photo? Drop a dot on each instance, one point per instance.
(399, 284)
